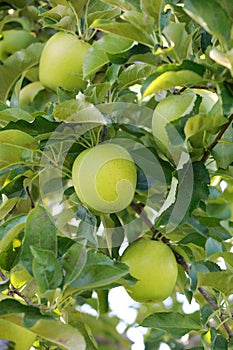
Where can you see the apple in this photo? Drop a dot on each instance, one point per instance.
(13, 40)
(154, 266)
(176, 106)
(104, 178)
(29, 92)
(61, 62)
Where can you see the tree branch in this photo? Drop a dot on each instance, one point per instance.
(12, 291)
(217, 139)
(139, 209)
(215, 307)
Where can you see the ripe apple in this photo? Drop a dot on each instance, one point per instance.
(29, 92)
(175, 106)
(153, 264)
(13, 40)
(61, 62)
(104, 178)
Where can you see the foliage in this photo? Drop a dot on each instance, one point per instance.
(56, 256)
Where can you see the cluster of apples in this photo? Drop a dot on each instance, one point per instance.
(105, 176)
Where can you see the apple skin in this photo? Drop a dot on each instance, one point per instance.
(104, 178)
(14, 40)
(154, 265)
(29, 92)
(61, 62)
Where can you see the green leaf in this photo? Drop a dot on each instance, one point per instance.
(216, 230)
(179, 40)
(10, 229)
(40, 233)
(13, 154)
(223, 151)
(152, 8)
(125, 5)
(37, 127)
(15, 188)
(199, 123)
(124, 30)
(144, 23)
(87, 228)
(134, 74)
(73, 261)
(201, 181)
(14, 114)
(212, 246)
(225, 59)
(7, 206)
(222, 281)
(16, 65)
(201, 266)
(46, 269)
(60, 334)
(99, 271)
(171, 79)
(204, 13)
(227, 256)
(96, 56)
(174, 323)
(56, 332)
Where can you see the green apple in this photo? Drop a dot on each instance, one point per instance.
(13, 40)
(174, 107)
(154, 266)
(61, 62)
(104, 178)
(29, 92)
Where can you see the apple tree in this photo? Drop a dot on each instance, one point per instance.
(116, 171)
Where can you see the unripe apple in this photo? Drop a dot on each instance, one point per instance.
(13, 40)
(154, 265)
(29, 92)
(61, 62)
(104, 178)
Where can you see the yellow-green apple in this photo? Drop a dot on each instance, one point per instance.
(104, 178)
(13, 40)
(61, 62)
(154, 266)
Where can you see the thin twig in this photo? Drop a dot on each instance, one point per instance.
(217, 139)
(3, 277)
(215, 307)
(139, 209)
(13, 290)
